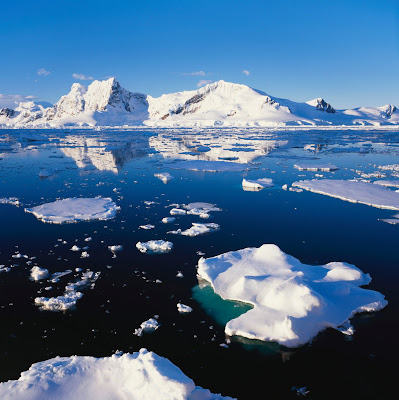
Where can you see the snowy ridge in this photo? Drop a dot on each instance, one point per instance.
(107, 103)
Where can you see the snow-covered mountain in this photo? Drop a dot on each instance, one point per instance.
(107, 103)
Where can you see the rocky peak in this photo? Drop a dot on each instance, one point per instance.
(321, 105)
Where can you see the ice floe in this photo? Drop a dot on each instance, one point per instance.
(292, 302)
(60, 303)
(168, 220)
(115, 248)
(148, 226)
(155, 246)
(149, 326)
(165, 177)
(392, 183)
(183, 309)
(316, 167)
(197, 229)
(10, 200)
(141, 375)
(75, 210)
(38, 273)
(256, 185)
(177, 211)
(353, 191)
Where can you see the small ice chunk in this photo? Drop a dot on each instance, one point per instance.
(38, 273)
(316, 167)
(148, 226)
(183, 309)
(177, 211)
(155, 246)
(59, 303)
(179, 275)
(149, 326)
(197, 229)
(165, 177)
(115, 247)
(259, 184)
(88, 239)
(10, 200)
(168, 220)
(75, 248)
(284, 187)
(85, 254)
(75, 210)
(55, 277)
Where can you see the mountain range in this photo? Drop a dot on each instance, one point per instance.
(107, 103)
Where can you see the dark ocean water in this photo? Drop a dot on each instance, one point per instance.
(315, 229)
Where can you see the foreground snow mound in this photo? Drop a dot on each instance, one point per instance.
(155, 246)
(353, 191)
(75, 210)
(259, 184)
(138, 376)
(292, 302)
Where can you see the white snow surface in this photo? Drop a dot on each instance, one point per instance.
(139, 376)
(292, 302)
(155, 246)
(75, 210)
(316, 167)
(256, 185)
(353, 191)
(197, 229)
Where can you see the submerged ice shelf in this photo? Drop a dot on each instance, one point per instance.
(141, 375)
(292, 302)
(75, 210)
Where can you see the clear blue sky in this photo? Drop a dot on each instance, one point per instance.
(345, 51)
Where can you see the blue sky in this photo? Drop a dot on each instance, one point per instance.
(344, 51)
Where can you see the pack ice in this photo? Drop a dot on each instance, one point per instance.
(292, 302)
(142, 375)
(353, 191)
(75, 210)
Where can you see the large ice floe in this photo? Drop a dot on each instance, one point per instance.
(142, 375)
(353, 191)
(256, 185)
(155, 246)
(292, 302)
(197, 229)
(75, 210)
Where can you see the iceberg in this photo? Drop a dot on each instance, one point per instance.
(141, 375)
(292, 302)
(353, 191)
(75, 210)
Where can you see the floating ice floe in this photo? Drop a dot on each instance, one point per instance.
(10, 200)
(87, 280)
(177, 211)
(115, 248)
(168, 220)
(3, 268)
(316, 167)
(85, 254)
(60, 303)
(392, 183)
(75, 210)
(201, 209)
(165, 177)
(292, 302)
(38, 273)
(353, 191)
(149, 326)
(394, 220)
(75, 248)
(55, 277)
(148, 226)
(183, 309)
(155, 246)
(256, 185)
(209, 166)
(391, 167)
(197, 229)
(142, 375)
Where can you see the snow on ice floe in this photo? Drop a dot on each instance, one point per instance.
(208, 166)
(256, 185)
(10, 200)
(155, 246)
(149, 326)
(316, 167)
(38, 273)
(75, 210)
(183, 309)
(353, 191)
(292, 302)
(197, 229)
(141, 375)
(165, 177)
(388, 183)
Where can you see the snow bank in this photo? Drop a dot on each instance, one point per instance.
(165, 177)
(316, 167)
(197, 229)
(291, 301)
(257, 185)
(142, 375)
(155, 246)
(353, 191)
(75, 210)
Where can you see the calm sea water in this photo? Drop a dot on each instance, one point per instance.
(315, 229)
